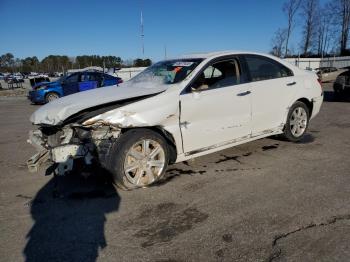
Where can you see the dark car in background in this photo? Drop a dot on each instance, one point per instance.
(45, 92)
(341, 85)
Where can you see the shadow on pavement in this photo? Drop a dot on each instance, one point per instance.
(69, 216)
(329, 96)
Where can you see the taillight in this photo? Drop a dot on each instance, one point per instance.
(319, 81)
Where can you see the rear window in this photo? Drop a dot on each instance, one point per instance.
(108, 77)
(263, 68)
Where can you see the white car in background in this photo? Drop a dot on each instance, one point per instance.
(176, 110)
(328, 74)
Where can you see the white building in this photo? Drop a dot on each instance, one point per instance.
(313, 63)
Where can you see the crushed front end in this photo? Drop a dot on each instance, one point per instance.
(61, 147)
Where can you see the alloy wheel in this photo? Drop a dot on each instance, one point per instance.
(144, 162)
(298, 121)
(51, 97)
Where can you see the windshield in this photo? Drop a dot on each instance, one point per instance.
(62, 78)
(167, 72)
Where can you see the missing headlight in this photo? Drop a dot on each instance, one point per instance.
(83, 134)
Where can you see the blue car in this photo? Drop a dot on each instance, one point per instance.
(45, 92)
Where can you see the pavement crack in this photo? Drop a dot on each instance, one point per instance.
(276, 253)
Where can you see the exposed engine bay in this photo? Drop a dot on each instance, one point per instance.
(62, 146)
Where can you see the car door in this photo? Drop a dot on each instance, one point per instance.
(88, 81)
(273, 87)
(70, 85)
(216, 109)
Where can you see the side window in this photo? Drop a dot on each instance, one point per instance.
(108, 77)
(221, 74)
(262, 68)
(94, 77)
(212, 72)
(84, 77)
(90, 77)
(72, 79)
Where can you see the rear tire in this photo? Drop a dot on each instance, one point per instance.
(51, 96)
(138, 158)
(297, 122)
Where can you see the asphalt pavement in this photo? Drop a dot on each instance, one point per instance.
(267, 200)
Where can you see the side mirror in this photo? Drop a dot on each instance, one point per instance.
(200, 88)
(194, 90)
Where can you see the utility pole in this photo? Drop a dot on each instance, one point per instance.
(165, 53)
(142, 36)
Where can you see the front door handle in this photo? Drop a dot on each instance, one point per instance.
(291, 83)
(244, 93)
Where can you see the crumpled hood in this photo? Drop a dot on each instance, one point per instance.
(55, 112)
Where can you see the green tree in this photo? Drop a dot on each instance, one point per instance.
(142, 62)
(7, 62)
(30, 64)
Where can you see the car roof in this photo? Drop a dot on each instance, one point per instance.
(212, 55)
(221, 53)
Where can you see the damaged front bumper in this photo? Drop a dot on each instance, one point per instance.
(62, 147)
(36, 161)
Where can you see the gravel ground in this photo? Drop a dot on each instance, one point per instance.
(267, 200)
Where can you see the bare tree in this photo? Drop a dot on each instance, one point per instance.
(323, 32)
(332, 28)
(290, 8)
(308, 13)
(345, 22)
(340, 21)
(278, 42)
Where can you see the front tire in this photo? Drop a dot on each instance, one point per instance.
(138, 158)
(51, 96)
(297, 122)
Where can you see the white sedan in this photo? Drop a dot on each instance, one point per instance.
(173, 111)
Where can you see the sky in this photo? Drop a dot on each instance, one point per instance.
(112, 27)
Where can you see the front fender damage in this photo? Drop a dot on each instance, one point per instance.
(117, 118)
(92, 139)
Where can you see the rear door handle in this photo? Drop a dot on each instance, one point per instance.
(244, 93)
(291, 83)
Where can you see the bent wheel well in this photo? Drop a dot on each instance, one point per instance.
(308, 103)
